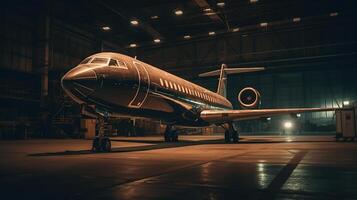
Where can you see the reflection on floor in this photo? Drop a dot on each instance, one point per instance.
(197, 167)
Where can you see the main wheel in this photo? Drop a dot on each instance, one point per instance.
(106, 145)
(167, 136)
(227, 138)
(235, 137)
(96, 145)
(174, 136)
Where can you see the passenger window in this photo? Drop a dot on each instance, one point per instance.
(175, 86)
(161, 82)
(171, 85)
(166, 84)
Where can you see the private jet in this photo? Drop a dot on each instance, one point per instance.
(114, 84)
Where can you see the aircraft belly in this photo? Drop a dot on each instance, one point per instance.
(153, 102)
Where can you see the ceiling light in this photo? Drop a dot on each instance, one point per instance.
(334, 14)
(235, 29)
(264, 24)
(221, 4)
(178, 12)
(133, 45)
(211, 33)
(106, 28)
(207, 9)
(134, 22)
(253, 1)
(154, 17)
(187, 37)
(296, 19)
(157, 40)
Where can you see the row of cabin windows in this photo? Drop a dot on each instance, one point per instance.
(178, 87)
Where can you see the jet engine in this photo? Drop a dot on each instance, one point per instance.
(249, 98)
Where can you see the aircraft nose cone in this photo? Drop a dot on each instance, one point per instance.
(80, 82)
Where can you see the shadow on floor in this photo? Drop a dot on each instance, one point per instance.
(163, 145)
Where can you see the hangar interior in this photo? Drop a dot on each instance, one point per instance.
(307, 47)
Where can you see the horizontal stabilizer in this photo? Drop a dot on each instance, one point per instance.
(231, 71)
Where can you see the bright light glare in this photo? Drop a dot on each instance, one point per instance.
(268, 118)
(264, 24)
(288, 124)
(178, 12)
(105, 28)
(187, 37)
(346, 103)
(212, 33)
(157, 40)
(298, 115)
(132, 45)
(221, 4)
(235, 29)
(134, 22)
(296, 19)
(253, 1)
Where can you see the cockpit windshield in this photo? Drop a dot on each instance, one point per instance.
(99, 61)
(85, 61)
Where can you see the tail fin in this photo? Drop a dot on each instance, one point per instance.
(223, 72)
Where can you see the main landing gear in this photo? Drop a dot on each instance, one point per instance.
(170, 135)
(101, 142)
(231, 134)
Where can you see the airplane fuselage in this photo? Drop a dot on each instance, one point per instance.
(120, 85)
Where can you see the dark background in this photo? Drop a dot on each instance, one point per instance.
(310, 63)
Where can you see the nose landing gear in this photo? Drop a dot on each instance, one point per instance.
(101, 142)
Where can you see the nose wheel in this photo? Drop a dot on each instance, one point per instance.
(101, 143)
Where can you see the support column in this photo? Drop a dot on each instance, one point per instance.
(44, 81)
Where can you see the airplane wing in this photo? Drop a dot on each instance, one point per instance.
(222, 116)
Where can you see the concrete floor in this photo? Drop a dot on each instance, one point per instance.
(198, 167)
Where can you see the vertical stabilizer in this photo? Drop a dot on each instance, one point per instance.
(223, 72)
(222, 81)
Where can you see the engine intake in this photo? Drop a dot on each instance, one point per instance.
(249, 98)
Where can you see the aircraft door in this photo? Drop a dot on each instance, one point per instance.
(143, 86)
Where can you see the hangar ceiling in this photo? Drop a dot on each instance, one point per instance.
(157, 18)
(191, 36)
